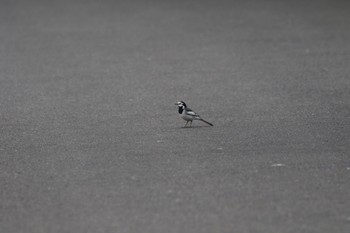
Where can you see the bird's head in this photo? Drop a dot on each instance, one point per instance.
(181, 106)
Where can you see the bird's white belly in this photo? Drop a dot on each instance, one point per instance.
(187, 117)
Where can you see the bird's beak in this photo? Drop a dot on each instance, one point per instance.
(176, 104)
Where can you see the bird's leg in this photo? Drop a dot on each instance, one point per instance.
(190, 123)
(186, 124)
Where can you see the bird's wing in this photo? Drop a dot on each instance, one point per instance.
(191, 113)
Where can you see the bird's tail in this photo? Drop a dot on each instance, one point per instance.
(207, 122)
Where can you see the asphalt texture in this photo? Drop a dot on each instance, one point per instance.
(91, 141)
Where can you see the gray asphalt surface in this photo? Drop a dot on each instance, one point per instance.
(91, 140)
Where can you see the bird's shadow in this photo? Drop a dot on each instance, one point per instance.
(196, 126)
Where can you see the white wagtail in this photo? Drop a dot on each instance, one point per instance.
(188, 115)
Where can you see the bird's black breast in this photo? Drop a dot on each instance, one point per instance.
(180, 110)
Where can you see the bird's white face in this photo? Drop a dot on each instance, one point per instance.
(180, 104)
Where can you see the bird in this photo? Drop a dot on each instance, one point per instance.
(188, 114)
